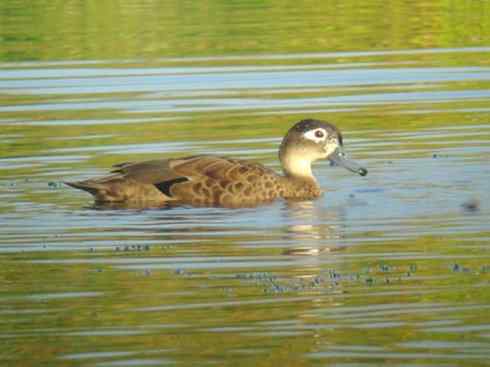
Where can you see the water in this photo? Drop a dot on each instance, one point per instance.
(388, 269)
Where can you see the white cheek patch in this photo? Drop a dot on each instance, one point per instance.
(330, 148)
(312, 135)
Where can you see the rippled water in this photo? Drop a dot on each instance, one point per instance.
(388, 269)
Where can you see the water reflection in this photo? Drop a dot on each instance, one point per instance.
(308, 228)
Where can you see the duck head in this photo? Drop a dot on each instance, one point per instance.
(311, 140)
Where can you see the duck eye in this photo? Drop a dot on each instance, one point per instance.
(319, 134)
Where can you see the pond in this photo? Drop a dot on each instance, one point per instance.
(388, 269)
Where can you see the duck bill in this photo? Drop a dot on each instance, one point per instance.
(338, 158)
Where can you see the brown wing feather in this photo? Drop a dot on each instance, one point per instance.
(217, 168)
(223, 182)
(156, 171)
(151, 172)
(132, 182)
(200, 180)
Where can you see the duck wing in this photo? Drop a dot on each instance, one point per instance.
(193, 168)
(147, 172)
(143, 179)
(128, 179)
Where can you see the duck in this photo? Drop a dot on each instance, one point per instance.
(214, 181)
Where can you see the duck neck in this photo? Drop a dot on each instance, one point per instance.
(298, 180)
(297, 167)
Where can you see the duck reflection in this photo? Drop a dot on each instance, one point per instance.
(309, 228)
(299, 228)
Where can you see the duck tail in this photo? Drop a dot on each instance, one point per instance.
(90, 186)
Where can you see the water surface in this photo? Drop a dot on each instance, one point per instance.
(388, 269)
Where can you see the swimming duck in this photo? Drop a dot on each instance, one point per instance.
(205, 180)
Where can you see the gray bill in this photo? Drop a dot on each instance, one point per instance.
(338, 158)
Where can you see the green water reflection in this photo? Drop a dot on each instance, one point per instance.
(94, 30)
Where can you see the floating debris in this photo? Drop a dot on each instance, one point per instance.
(54, 185)
(471, 206)
(331, 279)
(128, 248)
(435, 156)
(369, 281)
(256, 276)
(384, 268)
(179, 271)
(456, 268)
